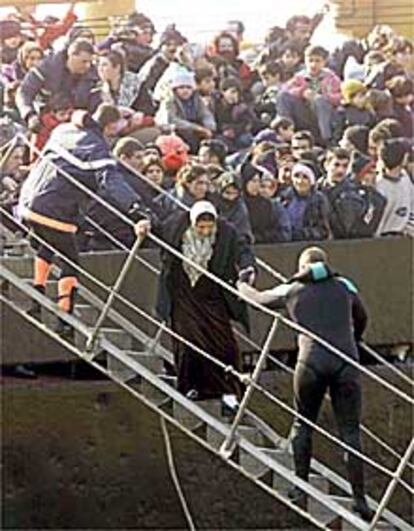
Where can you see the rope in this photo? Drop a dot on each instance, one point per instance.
(227, 368)
(246, 339)
(174, 476)
(274, 493)
(231, 289)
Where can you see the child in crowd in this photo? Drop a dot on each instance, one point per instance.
(58, 111)
(272, 77)
(354, 110)
(236, 122)
(312, 95)
(266, 225)
(186, 111)
(401, 90)
(231, 205)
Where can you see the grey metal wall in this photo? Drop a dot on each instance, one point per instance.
(382, 269)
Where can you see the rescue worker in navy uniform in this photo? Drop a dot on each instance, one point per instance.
(328, 305)
(53, 206)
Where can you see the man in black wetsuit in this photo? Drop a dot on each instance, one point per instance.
(329, 306)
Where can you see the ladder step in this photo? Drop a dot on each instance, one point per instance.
(323, 514)
(118, 369)
(150, 361)
(186, 417)
(169, 379)
(251, 464)
(319, 482)
(118, 337)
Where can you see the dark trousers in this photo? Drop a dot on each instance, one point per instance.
(64, 242)
(344, 387)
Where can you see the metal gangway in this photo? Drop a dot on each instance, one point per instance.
(131, 358)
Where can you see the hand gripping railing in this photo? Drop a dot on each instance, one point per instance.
(124, 218)
(227, 368)
(368, 432)
(293, 325)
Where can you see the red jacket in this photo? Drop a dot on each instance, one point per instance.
(329, 85)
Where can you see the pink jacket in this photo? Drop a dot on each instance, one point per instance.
(329, 85)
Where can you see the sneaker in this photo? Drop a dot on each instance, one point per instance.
(230, 404)
(192, 394)
(361, 507)
(296, 495)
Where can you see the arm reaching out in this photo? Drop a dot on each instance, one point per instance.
(275, 297)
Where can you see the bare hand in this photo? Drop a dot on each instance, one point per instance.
(308, 94)
(142, 228)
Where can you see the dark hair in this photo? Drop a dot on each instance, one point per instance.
(206, 216)
(127, 146)
(281, 123)
(273, 68)
(292, 46)
(152, 161)
(116, 58)
(204, 73)
(59, 102)
(140, 20)
(400, 86)
(106, 114)
(190, 172)
(230, 82)
(357, 135)
(304, 135)
(392, 152)
(79, 46)
(226, 35)
(216, 147)
(388, 128)
(297, 19)
(320, 51)
(337, 153)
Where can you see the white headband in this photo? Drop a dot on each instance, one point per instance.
(302, 168)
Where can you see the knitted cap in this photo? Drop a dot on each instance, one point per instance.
(9, 29)
(183, 78)
(301, 167)
(351, 88)
(226, 179)
(361, 164)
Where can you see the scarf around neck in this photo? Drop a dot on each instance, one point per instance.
(199, 250)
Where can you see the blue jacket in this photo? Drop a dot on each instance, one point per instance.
(49, 198)
(52, 77)
(315, 223)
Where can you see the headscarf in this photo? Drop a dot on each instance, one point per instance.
(196, 248)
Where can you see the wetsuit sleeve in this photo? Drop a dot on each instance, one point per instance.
(275, 297)
(359, 316)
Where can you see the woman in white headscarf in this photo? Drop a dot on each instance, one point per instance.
(198, 308)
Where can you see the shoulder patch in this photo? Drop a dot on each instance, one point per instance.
(349, 284)
(319, 271)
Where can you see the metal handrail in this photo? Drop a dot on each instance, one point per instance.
(227, 368)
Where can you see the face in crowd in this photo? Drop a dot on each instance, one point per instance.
(301, 183)
(199, 187)
(336, 169)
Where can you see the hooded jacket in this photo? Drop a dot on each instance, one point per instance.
(49, 198)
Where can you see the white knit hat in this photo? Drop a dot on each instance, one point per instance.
(202, 207)
(299, 167)
(183, 78)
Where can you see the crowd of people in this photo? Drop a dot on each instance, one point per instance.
(293, 143)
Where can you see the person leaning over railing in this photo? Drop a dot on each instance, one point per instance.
(52, 203)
